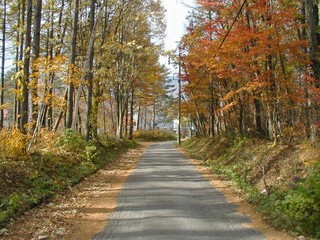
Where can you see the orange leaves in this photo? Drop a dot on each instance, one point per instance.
(251, 87)
(227, 107)
(262, 57)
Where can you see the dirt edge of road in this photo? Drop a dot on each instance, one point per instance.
(80, 212)
(243, 208)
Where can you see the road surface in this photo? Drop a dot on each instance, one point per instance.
(166, 198)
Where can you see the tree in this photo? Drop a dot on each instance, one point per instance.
(3, 57)
(70, 96)
(26, 69)
(250, 67)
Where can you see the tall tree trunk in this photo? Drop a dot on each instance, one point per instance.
(139, 116)
(69, 112)
(154, 115)
(127, 118)
(16, 102)
(259, 116)
(211, 110)
(19, 58)
(119, 116)
(49, 90)
(89, 72)
(145, 118)
(312, 16)
(3, 60)
(131, 114)
(35, 56)
(26, 69)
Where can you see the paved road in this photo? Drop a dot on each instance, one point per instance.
(166, 198)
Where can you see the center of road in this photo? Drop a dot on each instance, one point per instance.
(166, 198)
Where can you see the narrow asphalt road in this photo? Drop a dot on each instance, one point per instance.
(166, 198)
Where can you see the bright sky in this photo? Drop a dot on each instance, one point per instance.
(176, 20)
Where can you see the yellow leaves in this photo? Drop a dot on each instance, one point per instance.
(18, 93)
(131, 43)
(5, 106)
(75, 75)
(46, 65)
(17, 76)
(12, 145)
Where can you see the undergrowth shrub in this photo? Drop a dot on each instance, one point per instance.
(297, 209)
(153, 135)
(71, 142)
(13, 145)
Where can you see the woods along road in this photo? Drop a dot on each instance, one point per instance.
(166, 198)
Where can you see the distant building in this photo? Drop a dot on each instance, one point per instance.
(175, 125)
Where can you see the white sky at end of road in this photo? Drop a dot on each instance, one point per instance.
(176, 13)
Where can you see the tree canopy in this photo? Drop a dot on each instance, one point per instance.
(252, 67)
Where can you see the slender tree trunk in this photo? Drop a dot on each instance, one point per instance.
(127, 119)
(139, 116)
(154, 115)
(16, 103)
(58, 120)
(312, 16)
(70, 102)
(51, 76)
(211, 111)
(259, 116)
(145, 118)
(119, 119)
(89, 73)
(104, 121)
(35, 56)
(113, 122)
(26, 69)
(131, 114)
(3, 60)
(20, 55)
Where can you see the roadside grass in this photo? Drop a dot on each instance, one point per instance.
(276, 178)
(55, 163)
(153, 135)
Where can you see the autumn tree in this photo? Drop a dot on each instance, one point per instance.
(250, 70)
